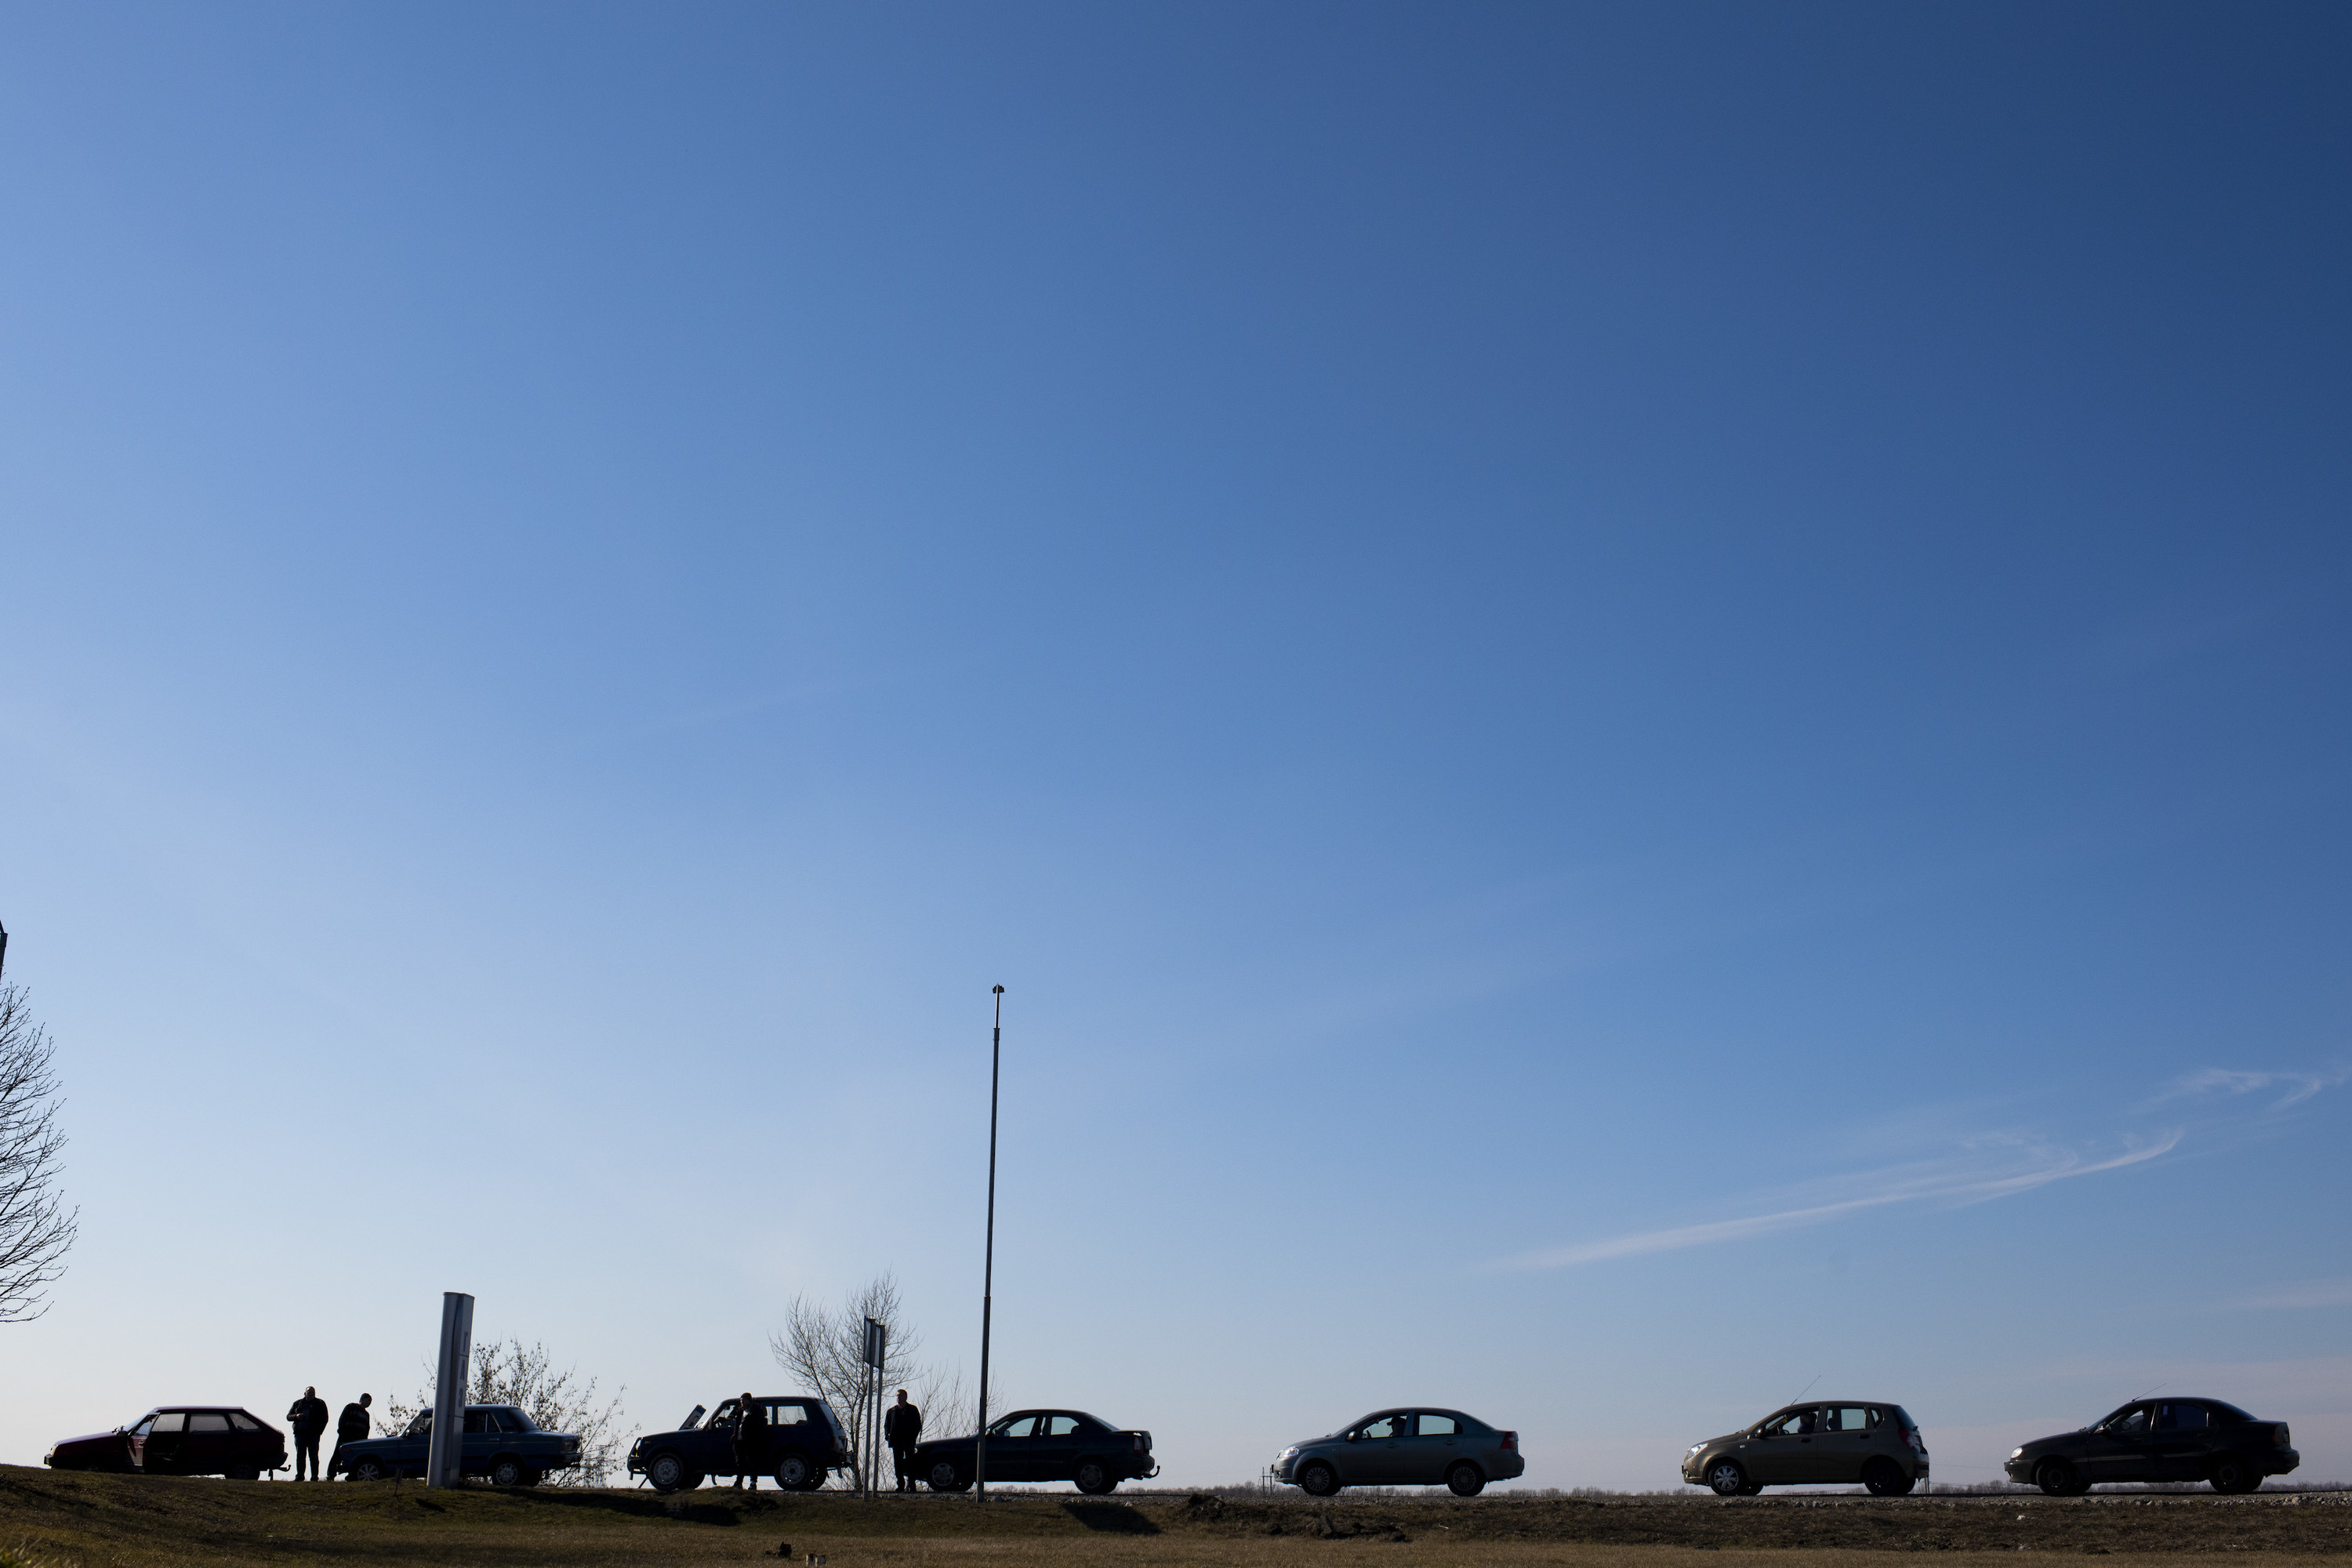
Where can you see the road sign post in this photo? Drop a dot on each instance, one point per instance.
(444, 1454)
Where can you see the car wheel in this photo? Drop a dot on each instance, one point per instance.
(2057, 1478)
(668, 1474)
(2232, 1475)
(1318, 1479)
(1884, 1478)
(1466, 1479)
(1726, 1477)
(794, 1471)
(368, 1469)
(944, 1476)
(1094, 1477)
(506, 1470)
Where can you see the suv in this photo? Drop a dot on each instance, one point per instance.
(501, 1442)
(1837, 1442)
(805, 1441)
(2159, 1440)
(1404, 1448)
(178, 1441)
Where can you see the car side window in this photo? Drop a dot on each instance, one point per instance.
(242, 1422)
(146, 1422)
(1386, 1426)
(208, 1421)
(1432, 1424)
(1792, 1423)
(2180, 1416)
(783, 1415)
(2130, 1424)
(1848, 1418)
(478, 1421)
(1061, 1426)
(722, 1417)
(172, 1421)
(1019, 1426)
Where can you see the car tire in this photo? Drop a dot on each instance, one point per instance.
(1318, 1479)
(1884, 1478)
(1465, 1479)
(370, 1468)
(666, 1472)
(1094, 1477)
(2231, 1475)
(506, 1470)
(794, 1473)
(947, 1476)
(2056, 1477)
(1727, 1478)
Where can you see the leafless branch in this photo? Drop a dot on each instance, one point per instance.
(35, 1228)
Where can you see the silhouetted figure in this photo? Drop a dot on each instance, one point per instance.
(308, 1417)
(750, 1441)
(902, 1428)
(351, 1426)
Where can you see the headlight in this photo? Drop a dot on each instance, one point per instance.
(1695, 1448)
(2017, 1453)
(1289, 1453)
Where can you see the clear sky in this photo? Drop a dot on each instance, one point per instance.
(1642, 702)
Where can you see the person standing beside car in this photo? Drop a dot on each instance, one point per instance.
(750, 1441)
(903, 1427)
(351, 1426)
(308, 1417)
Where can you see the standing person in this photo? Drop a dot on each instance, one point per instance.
(750, 1441)
(903, 1427)
(308, 1416)
(351, 1426)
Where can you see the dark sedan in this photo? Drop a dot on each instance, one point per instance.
(179, 1440)
(501, 1442)
(1030, 1446)
(2159, 1440)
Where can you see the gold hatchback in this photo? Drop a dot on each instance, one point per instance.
(1834, 1443)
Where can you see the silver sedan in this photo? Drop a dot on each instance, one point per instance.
(1407, 1447)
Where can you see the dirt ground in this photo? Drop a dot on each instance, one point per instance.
(72, 1520)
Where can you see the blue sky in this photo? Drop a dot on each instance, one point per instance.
(1641, 703)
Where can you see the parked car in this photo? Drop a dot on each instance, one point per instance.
(2159, 1440)
(1030, 1446)
(806, 1442)
(1404, 1448)
(179, 1440)
(1837, 1442)
(501, 1442)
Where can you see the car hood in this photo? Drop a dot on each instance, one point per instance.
(114, 1437)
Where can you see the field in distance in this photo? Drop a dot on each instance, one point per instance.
(75, 1520)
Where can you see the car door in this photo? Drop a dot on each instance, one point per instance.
(159, 1454)
(2182, 1440)
(1435, 1443)
(1053, 1451)
(1842, 1446)
(413, 1449)
(249, 1439)
(789, 1427)
(1376, 1455)
(1782, 1454)
(2121, 1447)
(206, 1450)
(1009, 1441)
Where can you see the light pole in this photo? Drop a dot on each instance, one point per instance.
(988, 1267)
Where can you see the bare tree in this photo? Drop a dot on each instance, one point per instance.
(825, 1347)
(35, 1228)
(511, 1374)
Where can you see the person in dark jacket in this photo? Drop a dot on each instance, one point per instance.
(903, 1428)
(351, 1426)
(308, 1416)
(750, 1441)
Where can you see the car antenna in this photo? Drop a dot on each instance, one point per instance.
(1801, 1392)
(2160, 1388)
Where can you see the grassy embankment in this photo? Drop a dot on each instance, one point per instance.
(87, 1521)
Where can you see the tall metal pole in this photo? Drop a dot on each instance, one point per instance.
(988, 1269)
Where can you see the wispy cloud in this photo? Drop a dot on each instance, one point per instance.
(2001, 1170)
(2299, 1086)
(2318, 1293)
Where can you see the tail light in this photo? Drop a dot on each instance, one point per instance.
(2278, 1435)
(1143, 1442)
(1510, 1442)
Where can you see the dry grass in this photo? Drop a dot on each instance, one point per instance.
(100, 1521)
